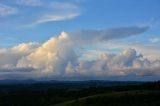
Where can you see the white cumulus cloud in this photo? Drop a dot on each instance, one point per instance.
(56, 58)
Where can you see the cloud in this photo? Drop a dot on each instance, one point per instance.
(128, 62)
(63, 5)
(40, 11)
(56, 58)
(18, 73)
(154, 40)
(62, 47)
(29, 2)
(149, 50)
(15, 70)
(55, 11)
(92, 36)
(10, 56)
(55, 17)
(52, 56)
(7, 10)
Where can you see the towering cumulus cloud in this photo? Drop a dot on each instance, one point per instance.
(56, 58)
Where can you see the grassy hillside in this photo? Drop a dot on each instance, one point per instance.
(125, 98)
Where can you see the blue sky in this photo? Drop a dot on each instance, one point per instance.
(70, 38)
(97, 14)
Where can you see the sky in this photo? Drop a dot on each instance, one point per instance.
(80, 39)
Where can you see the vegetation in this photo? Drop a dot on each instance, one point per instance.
(125, 98)
(81, 94)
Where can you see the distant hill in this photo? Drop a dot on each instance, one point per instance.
(70, 83)
(10, 81)
(12, 85)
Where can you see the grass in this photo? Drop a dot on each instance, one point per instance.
(124, 98)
